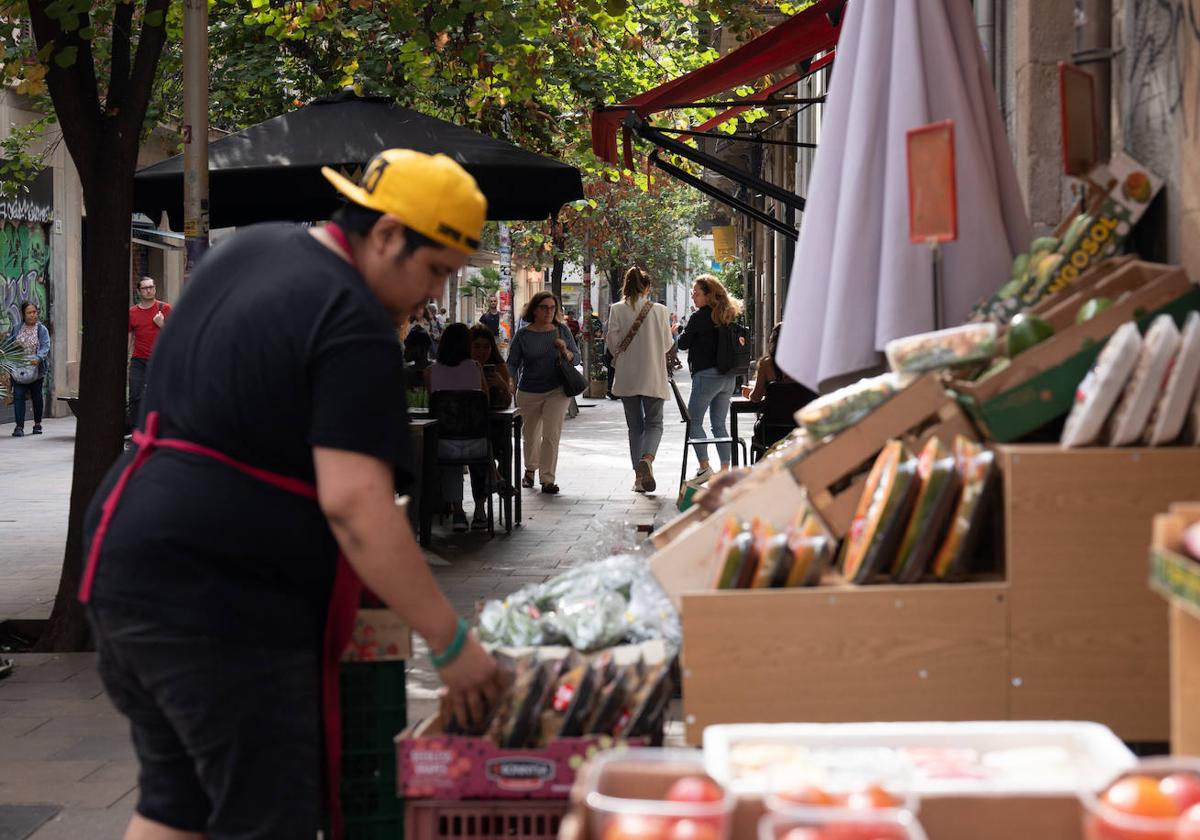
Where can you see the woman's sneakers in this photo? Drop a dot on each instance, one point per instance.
(37, 428)
(458, 522)
(479, 521)
(703, 474)
(19, 431)
(645, 476)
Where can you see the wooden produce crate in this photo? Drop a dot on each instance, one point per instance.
(1088, 640)
(834, 474)
(845, 653)
(1040, 384)
(1177, 578)
(1059, 310)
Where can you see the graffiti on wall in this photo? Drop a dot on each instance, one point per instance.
(1162, 45)
(24, 271)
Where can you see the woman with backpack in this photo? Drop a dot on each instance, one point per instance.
(711, 389)
(639, 337)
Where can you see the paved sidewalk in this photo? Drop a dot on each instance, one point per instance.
(65, 760)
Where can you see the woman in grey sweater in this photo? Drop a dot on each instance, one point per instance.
(533, 359)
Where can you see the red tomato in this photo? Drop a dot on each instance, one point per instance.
(693, 830)
(695, 789)
(803, 834)
(1183, 788)
(1188, 827)
(635, 827)
(807, 795)
(864, 831)
(872, 798)
(1140, 796)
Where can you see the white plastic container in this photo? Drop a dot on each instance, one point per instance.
(979, 758)
(1159, 346)
(652, 817)
(838, 824)
(1101, 388)
(1167, 421)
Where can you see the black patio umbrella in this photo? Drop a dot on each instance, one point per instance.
(272, 171)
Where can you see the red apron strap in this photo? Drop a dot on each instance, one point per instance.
(339, 626)
(343, 602)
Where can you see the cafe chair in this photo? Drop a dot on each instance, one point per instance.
(778, 417)
(688, 440)
(463, 436)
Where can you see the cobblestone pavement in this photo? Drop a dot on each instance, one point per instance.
(65, 760)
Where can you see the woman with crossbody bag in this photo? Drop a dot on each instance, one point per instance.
(639, 335)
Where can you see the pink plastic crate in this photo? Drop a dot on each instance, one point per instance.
(511, 819)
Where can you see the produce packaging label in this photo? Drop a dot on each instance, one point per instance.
(1177, 578)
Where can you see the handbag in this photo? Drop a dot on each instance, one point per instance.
(574, 382)
(26, 374)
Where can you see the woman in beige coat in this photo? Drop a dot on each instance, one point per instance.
(639, 337)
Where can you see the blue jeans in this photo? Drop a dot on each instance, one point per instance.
(644, 419)
(33, 391)
(711, 392)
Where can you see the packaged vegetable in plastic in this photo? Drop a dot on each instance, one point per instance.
(612, 699)
(942, 349)
(882, 513)
(1169, 415)
(590, 607)
(813, 548)
(1100, 389)
(774, 562)
(844, 407)
(573, 680)
(733, 547)
(646, 703)
(976, 467)
(938, 480)
(761, 531)
(1158, 349)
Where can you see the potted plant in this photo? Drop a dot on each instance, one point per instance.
(12, 356)
(593, 336)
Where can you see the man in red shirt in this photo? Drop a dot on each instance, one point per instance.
(146, 319)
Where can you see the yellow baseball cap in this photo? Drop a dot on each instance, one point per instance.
(431, 194)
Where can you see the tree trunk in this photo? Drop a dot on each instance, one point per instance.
(614, 284)
(100, 426)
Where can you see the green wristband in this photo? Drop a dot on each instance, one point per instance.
(441, 660)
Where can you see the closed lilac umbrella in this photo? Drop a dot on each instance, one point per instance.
(857, 281)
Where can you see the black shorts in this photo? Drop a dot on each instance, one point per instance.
(227, 734)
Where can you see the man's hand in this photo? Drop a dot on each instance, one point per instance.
(158, 319)
(715, 492)
(473, 683)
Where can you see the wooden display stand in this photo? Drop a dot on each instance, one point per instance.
(1070, 632)
(1177, 578)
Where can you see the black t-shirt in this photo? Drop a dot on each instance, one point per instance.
(699, 339)
(276, 346)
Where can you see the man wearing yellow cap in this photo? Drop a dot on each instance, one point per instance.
(227, 551)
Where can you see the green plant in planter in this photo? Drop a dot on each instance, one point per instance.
(12, 356)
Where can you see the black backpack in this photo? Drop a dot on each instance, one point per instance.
(734, 349)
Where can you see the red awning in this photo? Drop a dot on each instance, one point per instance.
(786, 82)
(797, 39)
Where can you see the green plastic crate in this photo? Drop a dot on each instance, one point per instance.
(389, 827)
(374, 705)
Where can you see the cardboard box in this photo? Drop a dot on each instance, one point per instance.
(379, 636)
(432, 765)
(1040, 384)
(1177, 578)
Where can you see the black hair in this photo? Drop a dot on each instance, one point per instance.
(358, 220)
(455, 345)
(478, 332)
(25, 304)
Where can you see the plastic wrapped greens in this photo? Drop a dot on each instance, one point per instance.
(590, 607)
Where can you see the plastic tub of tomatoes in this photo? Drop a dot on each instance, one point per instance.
(840, 824)
(656, 794)
(1157, 800)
